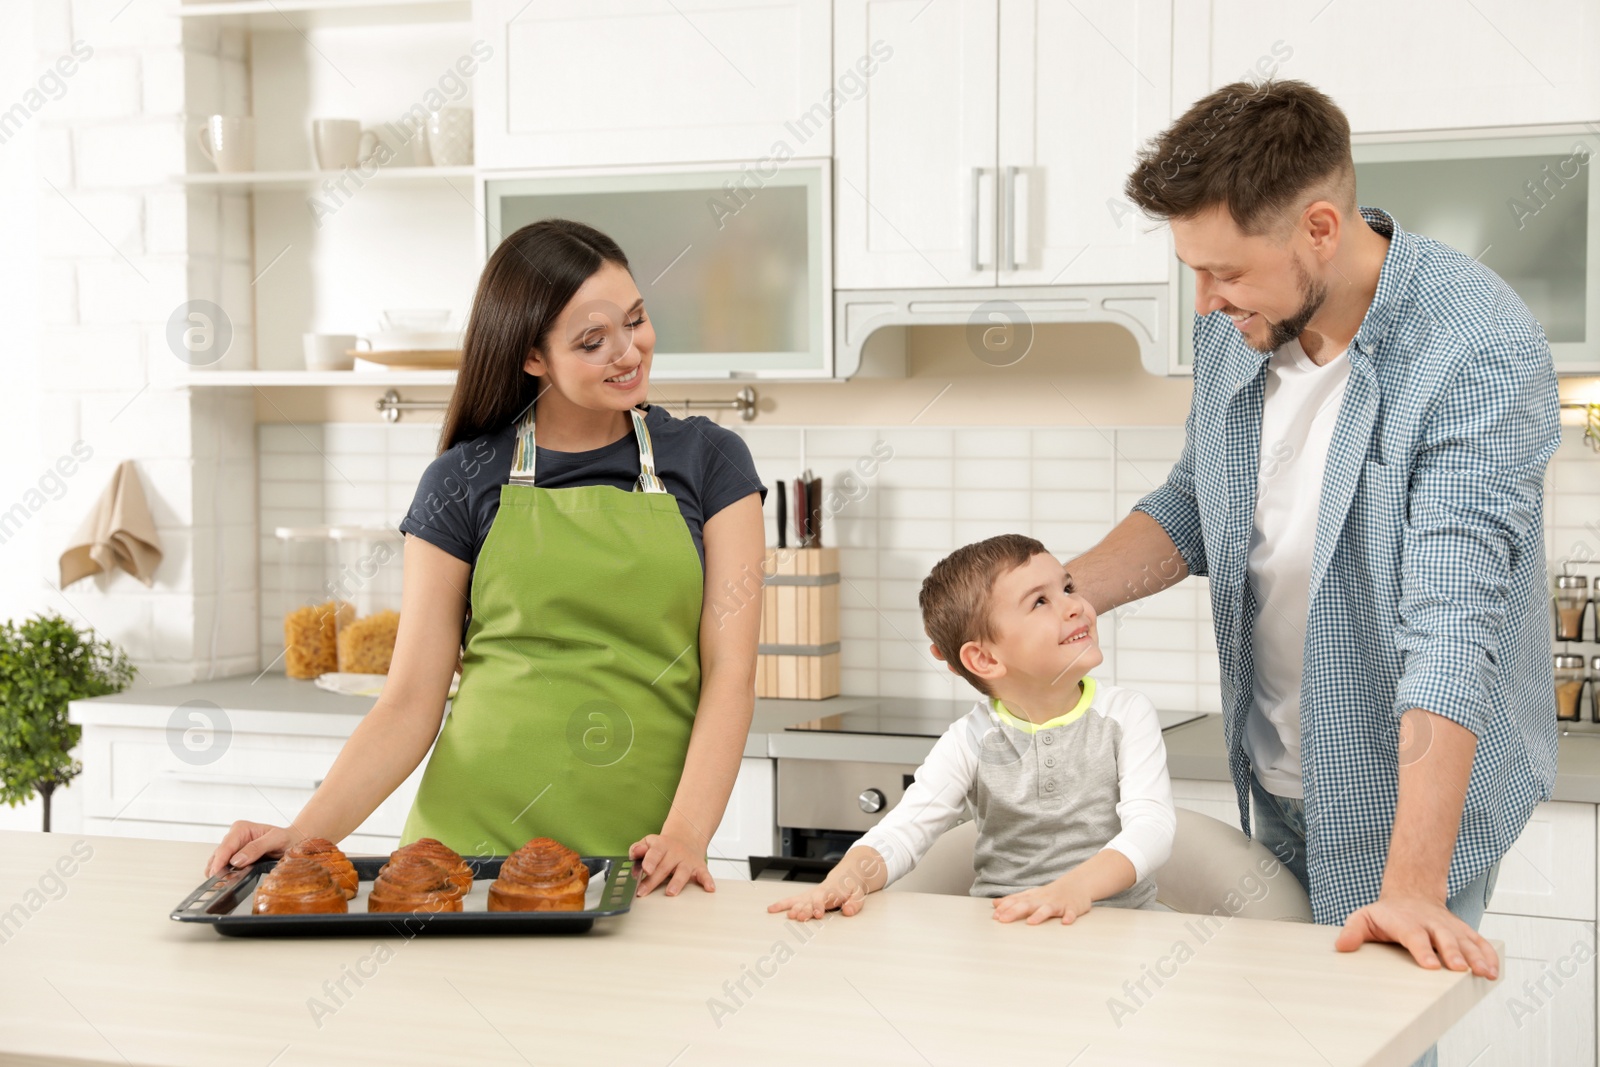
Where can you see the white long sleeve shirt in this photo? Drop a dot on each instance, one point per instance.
(1046, 796)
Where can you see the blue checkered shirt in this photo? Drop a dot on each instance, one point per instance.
(1428, 571)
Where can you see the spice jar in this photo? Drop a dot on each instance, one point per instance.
(1571, 600)
(1569, 687)
(1594, 694)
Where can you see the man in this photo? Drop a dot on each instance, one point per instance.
(1362, 481)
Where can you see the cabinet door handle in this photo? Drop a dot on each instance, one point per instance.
(1010, 262)
(977, 186)
(202, 778)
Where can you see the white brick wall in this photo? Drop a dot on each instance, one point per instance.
(120, 248)
(942, 488)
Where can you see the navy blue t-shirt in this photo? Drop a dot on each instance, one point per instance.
(704, 466)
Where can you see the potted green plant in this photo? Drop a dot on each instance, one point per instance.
(44, 663)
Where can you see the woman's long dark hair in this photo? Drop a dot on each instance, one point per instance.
(524, 287)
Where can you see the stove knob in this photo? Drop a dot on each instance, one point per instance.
(871, 801)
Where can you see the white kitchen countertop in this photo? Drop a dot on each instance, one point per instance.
(96, 973)
(275, 703)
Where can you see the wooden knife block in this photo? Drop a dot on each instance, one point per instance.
(798, 656)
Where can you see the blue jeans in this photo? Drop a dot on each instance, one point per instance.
(1280, 824)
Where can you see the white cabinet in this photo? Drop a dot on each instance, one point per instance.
(993, 139)
(1404, 66)
(1550, 870)
(594, 82)
(137, 785)
(1082, 85)
(749, 825)
(915, 157)
(1541, 1013)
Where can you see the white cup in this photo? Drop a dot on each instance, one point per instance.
(329, 351)
(340, 143)
(449, 136)
(229, 141)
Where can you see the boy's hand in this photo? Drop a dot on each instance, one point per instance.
(821, 899)
(1066, 897)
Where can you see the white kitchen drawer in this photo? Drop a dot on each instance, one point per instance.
(750, 825)
(1541, 1013)
(134, 775)
(1550, 870)
(357, 844)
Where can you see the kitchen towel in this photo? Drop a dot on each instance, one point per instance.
(117, 533)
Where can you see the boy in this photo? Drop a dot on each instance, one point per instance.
(1067, 778)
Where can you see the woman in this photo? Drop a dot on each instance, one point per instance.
(604, 701)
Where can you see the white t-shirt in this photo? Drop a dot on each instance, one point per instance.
(1300, 408)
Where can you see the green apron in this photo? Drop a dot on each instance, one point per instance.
(581, 671)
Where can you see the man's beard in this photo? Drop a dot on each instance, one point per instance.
(1312, 295)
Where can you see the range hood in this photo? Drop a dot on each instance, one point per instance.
(993, 317)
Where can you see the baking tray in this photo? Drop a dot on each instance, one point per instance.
(224, 902)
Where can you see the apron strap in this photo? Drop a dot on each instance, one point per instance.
(525, 453)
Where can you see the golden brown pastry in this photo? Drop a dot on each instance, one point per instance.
(413, 883)
(327, 853)
(444, 856)
(543, 875)
(298, 887)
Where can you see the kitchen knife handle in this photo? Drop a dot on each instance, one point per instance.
(783, 515)
(814, 512)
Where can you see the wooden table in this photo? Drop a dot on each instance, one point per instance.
(93, 971)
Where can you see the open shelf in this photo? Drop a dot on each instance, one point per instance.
(313, 179)
(312, 14)
(362, 379)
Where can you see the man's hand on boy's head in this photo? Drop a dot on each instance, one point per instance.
(1066, 898)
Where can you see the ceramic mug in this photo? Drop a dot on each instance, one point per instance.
(229, 142)
(449, 136)
(330, 351)
(340, 143)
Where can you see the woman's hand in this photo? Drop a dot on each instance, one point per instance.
(668, 858)
(247, 842)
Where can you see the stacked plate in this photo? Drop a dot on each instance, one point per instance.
(415, 339)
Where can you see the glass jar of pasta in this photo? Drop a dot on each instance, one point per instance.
(368, 579)
(307, 561)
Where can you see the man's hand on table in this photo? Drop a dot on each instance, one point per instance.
(1422, 925)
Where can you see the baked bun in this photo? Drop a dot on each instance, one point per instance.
(542, 875)
(298, 887)
(327, 853)
(413, 883)
(444, 856)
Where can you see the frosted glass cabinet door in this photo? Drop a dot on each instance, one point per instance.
(916, 153)
(1526, 207)
(1082, 86)
(598, 82)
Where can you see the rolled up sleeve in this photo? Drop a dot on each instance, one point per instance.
(1475, 494)
(1173, 505)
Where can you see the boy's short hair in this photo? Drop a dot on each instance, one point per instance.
(1256, 149)
(955, 595)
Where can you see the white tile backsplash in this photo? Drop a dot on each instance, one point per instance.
(940, 488)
